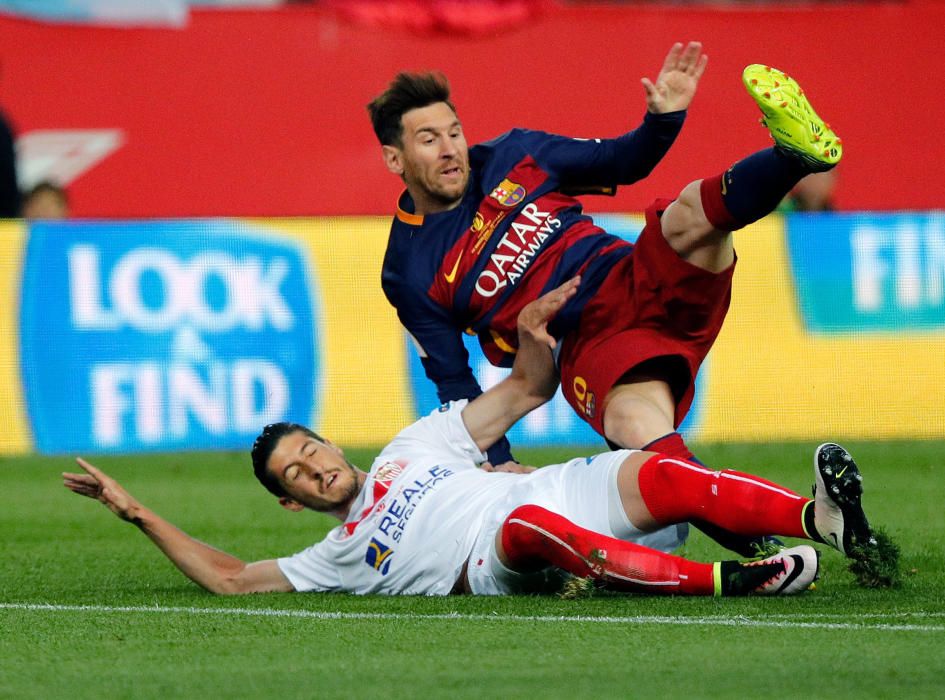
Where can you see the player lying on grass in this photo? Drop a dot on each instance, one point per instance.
(426, 520)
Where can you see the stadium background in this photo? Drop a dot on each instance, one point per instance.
(224, 270)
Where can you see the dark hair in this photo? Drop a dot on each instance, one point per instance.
(406, 91)
(265, 445)
(47, 186)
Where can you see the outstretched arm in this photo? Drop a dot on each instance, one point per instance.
(602, 164)
(216, 571)
(534, 377)
(678, 79)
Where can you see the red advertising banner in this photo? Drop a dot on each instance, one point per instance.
(262, 113)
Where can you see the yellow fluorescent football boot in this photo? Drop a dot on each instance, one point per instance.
(793, 123)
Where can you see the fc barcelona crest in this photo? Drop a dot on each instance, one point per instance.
(508, 193)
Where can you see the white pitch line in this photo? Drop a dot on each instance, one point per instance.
(718, 621)
(885, 615)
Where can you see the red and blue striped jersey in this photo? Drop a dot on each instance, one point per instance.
(517, 233)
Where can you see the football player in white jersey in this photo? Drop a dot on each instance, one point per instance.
(425, 519)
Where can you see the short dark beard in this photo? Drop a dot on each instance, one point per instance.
(355, 485)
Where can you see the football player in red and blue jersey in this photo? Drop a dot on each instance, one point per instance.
(481, 231)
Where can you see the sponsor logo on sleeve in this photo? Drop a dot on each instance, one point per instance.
(378, 556)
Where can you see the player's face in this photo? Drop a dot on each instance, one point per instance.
(434, 159)
(314, 474)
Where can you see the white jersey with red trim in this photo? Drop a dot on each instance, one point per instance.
(414, 523)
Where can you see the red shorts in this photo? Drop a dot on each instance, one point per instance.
(653, 304)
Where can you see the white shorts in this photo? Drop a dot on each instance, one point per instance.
(585, 492)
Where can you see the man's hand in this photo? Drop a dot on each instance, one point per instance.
(510, 467)
(534, 317)
(98, 485)
(676, 84)
(533, 379)
(216, 571)
(534, 365)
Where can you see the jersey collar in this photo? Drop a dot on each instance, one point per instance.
(405, 216)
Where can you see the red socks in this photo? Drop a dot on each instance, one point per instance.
(534, 536)
(676, 491)
(671, 445)
(714, 206)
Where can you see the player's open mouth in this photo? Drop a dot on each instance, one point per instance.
(330, 481)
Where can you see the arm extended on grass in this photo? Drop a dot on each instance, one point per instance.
(534, 378)
(214, 570)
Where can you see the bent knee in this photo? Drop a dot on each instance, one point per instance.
(518, 541)
(689, 233)
(685, 219)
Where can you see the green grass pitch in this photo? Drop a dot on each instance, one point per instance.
(90, 609)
